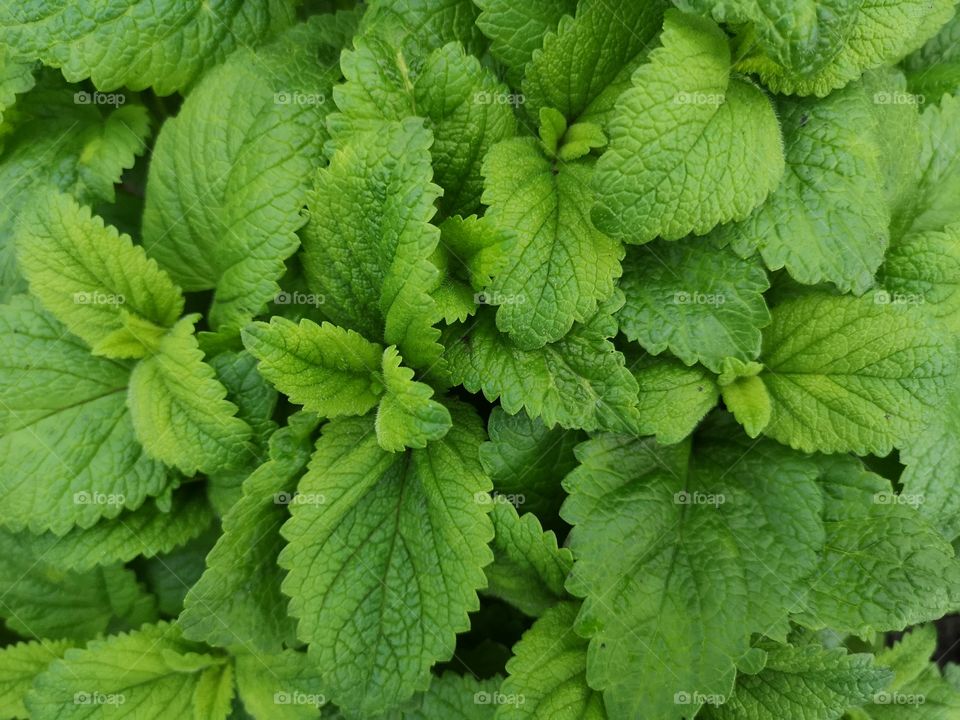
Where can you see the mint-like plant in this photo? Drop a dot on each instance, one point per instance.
(479, 359)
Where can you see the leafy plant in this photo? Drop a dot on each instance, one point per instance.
(428, 359)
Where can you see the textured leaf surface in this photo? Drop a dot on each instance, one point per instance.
(325, 368)
(155, 672)
(828, 219)
(135, 42)
(467, 109)
(89, 276)
(407, 416)
(383, 573)
(850, 374)
(934, 69)
(518, 29)
(674, 398)
(68, 454)
(16, 77)
(561, 266)
(806, 683)
(666, 543)
(367, 244)
(690, 147)
(206, 219)
(525, 457)
(178, 408)
(700, 302)
(578, 382)
(549, 670)
(19, 665)
(880, 549)
(262, 681)
(585, 65)
(528, 568)
(451, 695)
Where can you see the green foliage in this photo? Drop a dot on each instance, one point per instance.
(479, 359)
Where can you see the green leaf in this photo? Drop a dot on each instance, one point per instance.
(518, 29)
(526, 458)
(205, 220)
(924, 269)
(138, 43)
(477, 248)
(328, 370)
(178, 408)
(19, 665)
(807, 683)
(673, 398)
(577, 382)
(152, 672)
(283, 686)
(41, 599)
(528, 569)
(828, 220)
(427, 24)
(837, 41)
(237, 600)
(665, 543)
(685, 118)
(16, 77)
(700, 302)
(407, 416)
(467, 109)
(170, 575)
(934, 69)
(586, 64)
(745, 395)
(932, 461)
(68, 453)
(879, 549)
(383, 574)
(549, 671)
(147, 531)
(368, 243)
(464, 697)
(933, 204)
(849, 374)
(92, 148)
(90, 276)
(561, 266)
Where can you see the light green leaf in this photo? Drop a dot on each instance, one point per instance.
(68, 453)
(880, 550)
(328, 370)
(828, 220)
(666, 545)
(549, 671)
(477, 248)
(849, 374)
(16, 77)
(561, 266)
(577, 382)
(368, 243)
(427, 24)
(518, 29)
(407, 416)
(924, 269)
(147, 531)
(526, 458)
(463, 697)
(283, 686)
(92, 147)
(586, 64)
(88, 275)
(19, 665)
(237, 600)
(673, 398)
(137, 43)
(700, 302)
(400, 544)
(690, 147)
(205, 220)
(178, 408)
(152, 672)
(41, 599)
(467, 109)
(803, 683)
(838, 41)
(528, 569)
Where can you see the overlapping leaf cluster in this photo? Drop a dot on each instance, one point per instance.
(478, 359)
